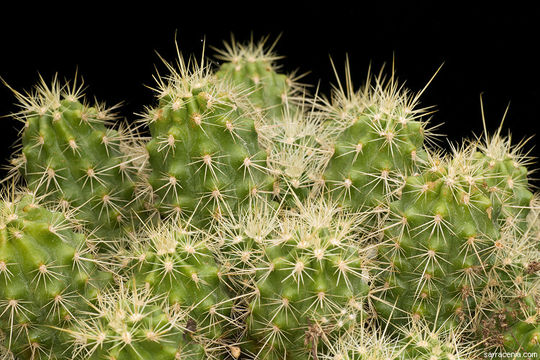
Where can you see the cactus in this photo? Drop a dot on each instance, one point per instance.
(379, 140)
(204, 153)
(362, 344)
(305, 275)
(130, 323)
(449, 260)
(514, 326)
(418, 341)
(506, 178)
(510, 321)
(441, 243)
(516, 315)
(424, 341)
(72, 158)
(48, 276)
(178, 262)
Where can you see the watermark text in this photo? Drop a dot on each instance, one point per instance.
(511, 355)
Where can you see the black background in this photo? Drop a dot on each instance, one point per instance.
(485, 49)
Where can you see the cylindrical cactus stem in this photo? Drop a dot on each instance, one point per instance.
(441, 244)
(449, 257)
(511, 309)
(48, 277)
(379, 141)
(72, 158)
(514, 326)
(179, 262)
(306, 273)
(204, 152)
(291, 130)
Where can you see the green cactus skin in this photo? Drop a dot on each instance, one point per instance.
(306, 277)
(513, 328)
(442, 245)
(48, 276)
(73, 159)
(520, 300)
(504, 168)
(204, 154)
(129, 323)
(179, 263)
(517, 330)
(366, 168)
(379, 140)
(524, 337)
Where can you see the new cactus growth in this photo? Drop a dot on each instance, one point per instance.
(256, 221)
(252, 66)
(424, 341)
(290, 131)
(362, 344)
(419, 341)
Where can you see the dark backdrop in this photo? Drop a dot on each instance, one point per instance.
(485, 49)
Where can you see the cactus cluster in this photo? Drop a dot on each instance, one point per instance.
(243, 217)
